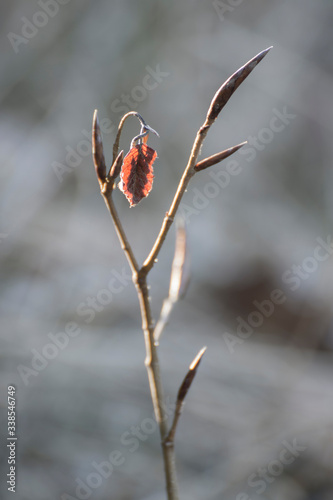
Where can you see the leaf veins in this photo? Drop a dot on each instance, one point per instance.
(136, 178)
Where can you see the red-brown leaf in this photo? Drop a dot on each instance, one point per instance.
(136, 178)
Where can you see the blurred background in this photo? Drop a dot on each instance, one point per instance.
(257, 424)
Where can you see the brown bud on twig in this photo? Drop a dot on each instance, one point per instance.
(184, 388)
(116, 167)
(224, 93)
(97, 150)
(212, 160)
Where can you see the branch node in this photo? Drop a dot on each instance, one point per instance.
(168, 443)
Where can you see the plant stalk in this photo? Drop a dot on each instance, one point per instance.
(139, 275)
(151, 361)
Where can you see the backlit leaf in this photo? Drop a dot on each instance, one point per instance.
(136, 178)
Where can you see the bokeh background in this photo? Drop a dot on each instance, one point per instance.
(254, 232)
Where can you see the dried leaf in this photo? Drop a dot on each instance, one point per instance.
(137, 173)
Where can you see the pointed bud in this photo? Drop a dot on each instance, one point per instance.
(212, 160)
(116, 167)
(97, 150)
(184, 388)
(224, 93)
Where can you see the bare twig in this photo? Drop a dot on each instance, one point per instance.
(140, 282)
(183, 390)
(106, 186)
(139, 275)
(179, 273)
(219, 101)
(178, 280)
(145, 129)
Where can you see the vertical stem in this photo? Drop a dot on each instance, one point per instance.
(139, 275)
(151, 361)
(155, 384)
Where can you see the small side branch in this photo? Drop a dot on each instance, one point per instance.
(106, 184)
(145, 129)
(183, 390)
(140, 281)
(219, 100)
(139, 275)
(178, 280)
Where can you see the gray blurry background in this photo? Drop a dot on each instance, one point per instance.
(253, 398)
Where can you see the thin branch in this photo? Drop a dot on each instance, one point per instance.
(140, 282)
(219, 101)
(145, 129)
(139, 275)
(120, 128)
(125, 245)
(183, 390)
(106, 186)
(179, 271)
(178, 280)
